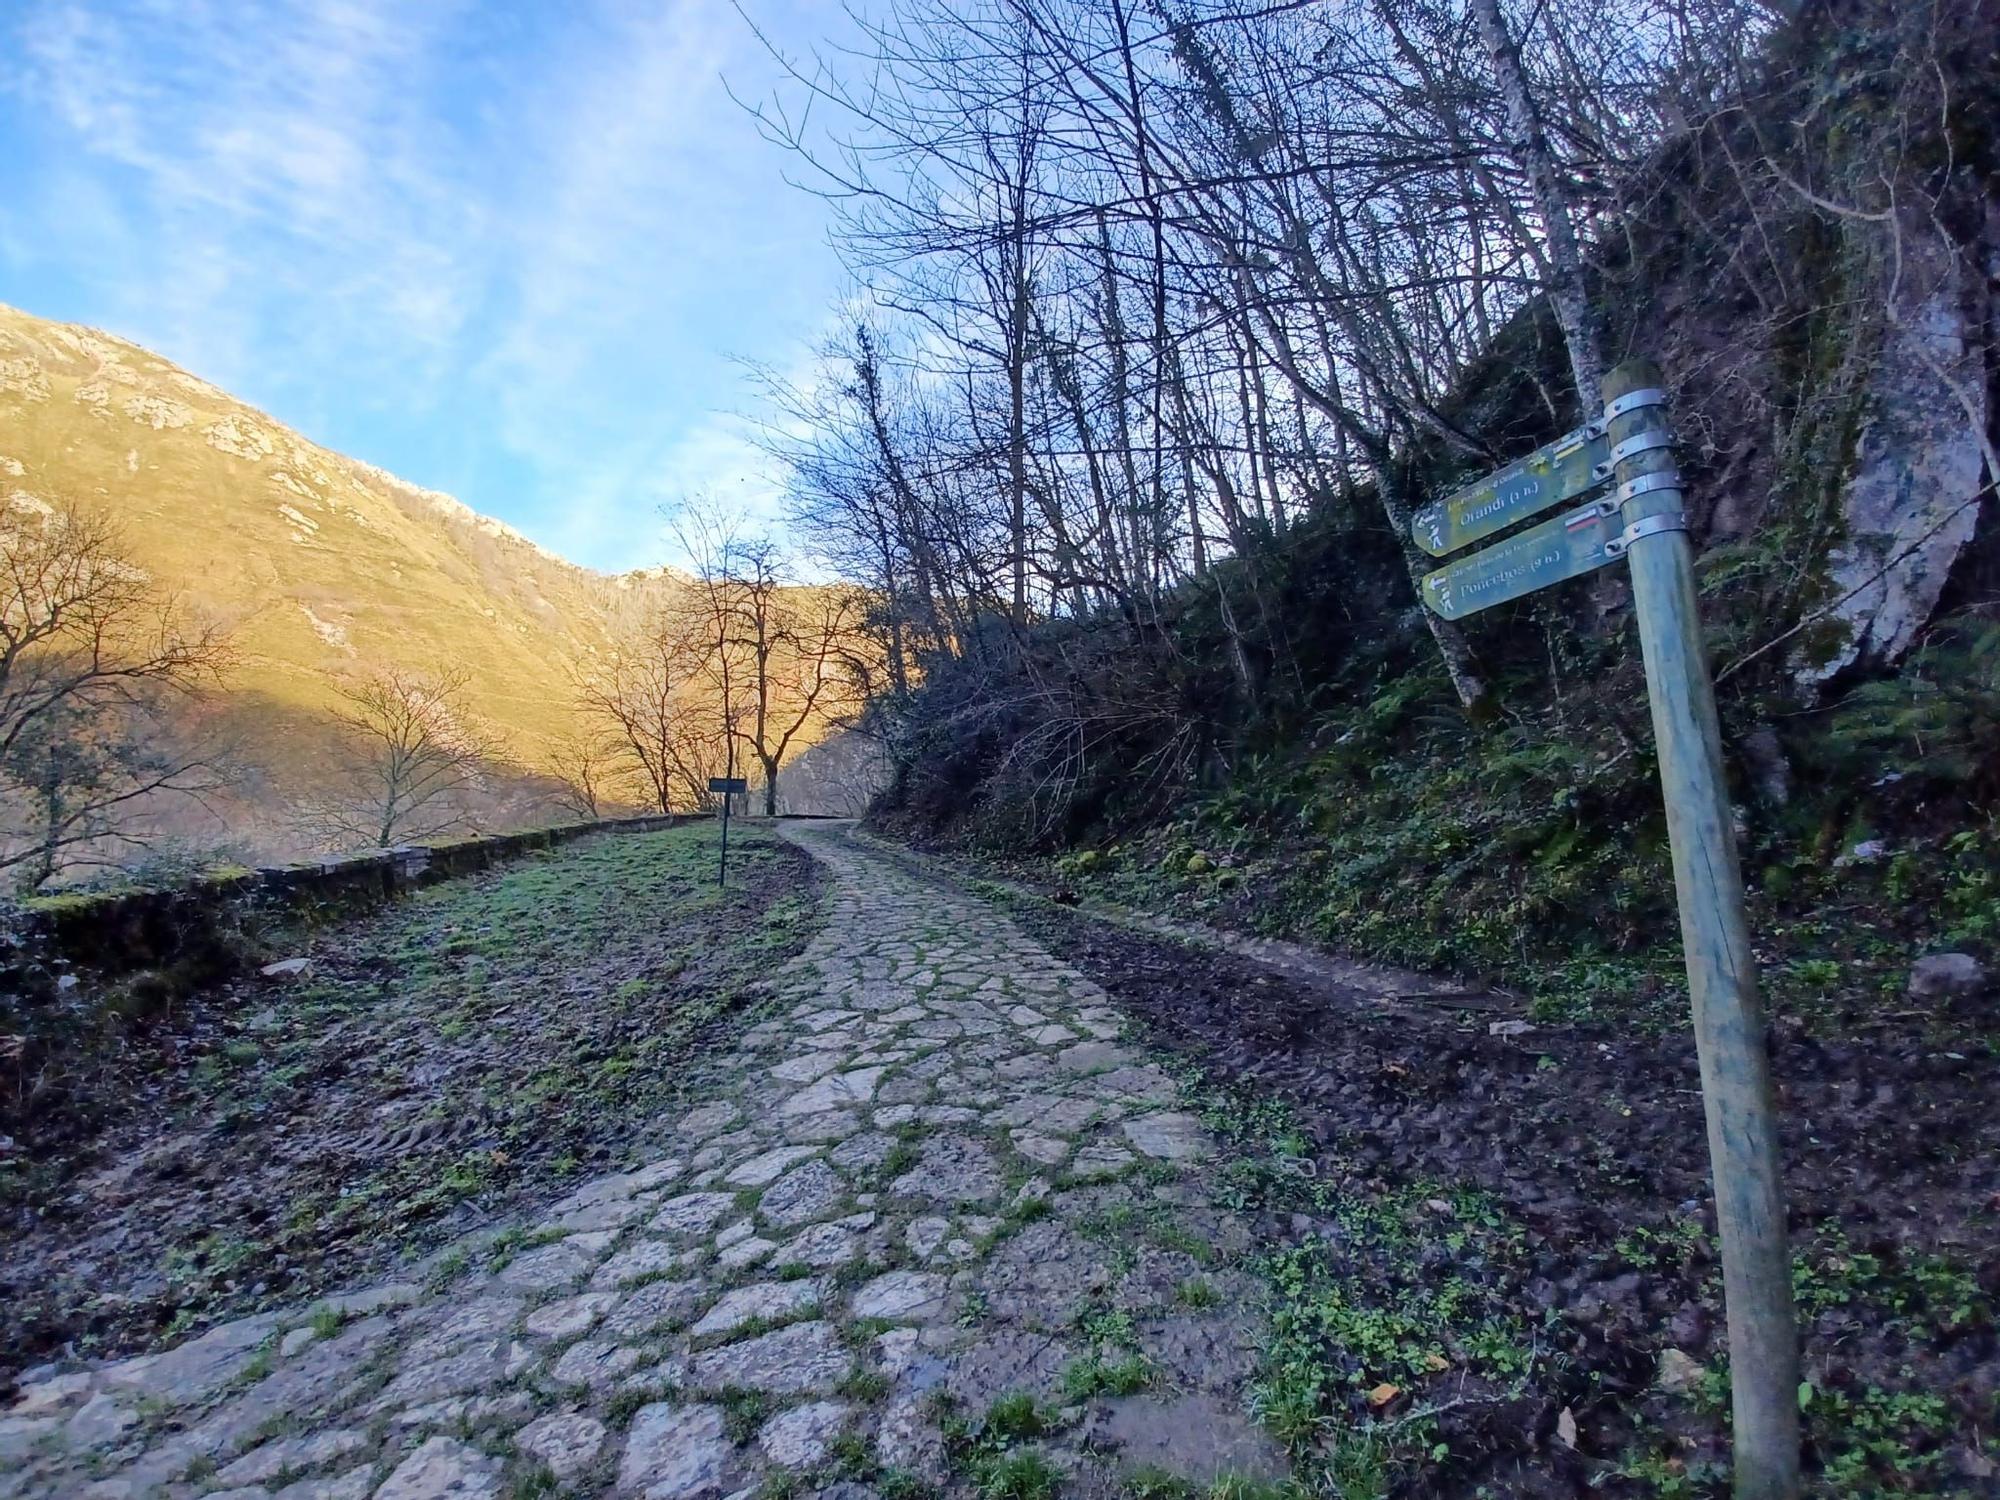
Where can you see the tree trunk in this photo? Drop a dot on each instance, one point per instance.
(1017, 430)
(1531, 151)
(1453, 648)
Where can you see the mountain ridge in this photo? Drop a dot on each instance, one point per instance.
(322, 567)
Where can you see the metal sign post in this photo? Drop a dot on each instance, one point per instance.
(1644, 522)
(729, 786)
(1736, 1091)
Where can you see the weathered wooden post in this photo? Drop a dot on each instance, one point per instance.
(1644, 524)
(1722, 975)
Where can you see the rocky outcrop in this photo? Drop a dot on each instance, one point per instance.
(1912, 498)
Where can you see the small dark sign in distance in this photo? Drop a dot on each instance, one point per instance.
(728, 784)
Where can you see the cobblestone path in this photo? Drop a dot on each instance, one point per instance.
(937, 1178)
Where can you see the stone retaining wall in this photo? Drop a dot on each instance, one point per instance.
(107, 934)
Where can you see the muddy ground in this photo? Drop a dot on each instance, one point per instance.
(1559, 1177)
(437, 1065)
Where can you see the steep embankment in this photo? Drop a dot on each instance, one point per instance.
(1279, 747)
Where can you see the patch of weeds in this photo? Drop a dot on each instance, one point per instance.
(1151, 1483)
(326, 1320)
(744, 1412)
(1241, 1487)
(1197, 1292)
(1871, 1440)
(449, 1266)
(976, 1309)
(1169, 1234)
(1417, 1292)
(780, 1484)
(535, 1481)
(1020, 1475)
(1014, 1415)
(901, 1158)
(1027, 1210)
(258, 1365)
(901, 1484)
(1666, 1476)
(504, 1246)
(1096, 1376)
(1928, 1294)
(864, 1385)
(1103, 1325)
(852, 1458)
(1356, 1465)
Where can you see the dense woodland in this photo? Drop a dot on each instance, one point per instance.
(1174, 314)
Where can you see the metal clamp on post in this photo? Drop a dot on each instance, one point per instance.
(1646, 484)
(1641, 442)
(1666, 520)
(1652, 395)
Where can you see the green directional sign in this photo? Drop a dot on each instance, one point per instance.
(1565, 547)
(1573, 465)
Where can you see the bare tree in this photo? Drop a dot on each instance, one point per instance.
(99, 673)
(648, 702)
(411, 755)
(80, 625)
(585, 761)
(1563, 261)
(88, 786)
(808, 673)
(780, 657)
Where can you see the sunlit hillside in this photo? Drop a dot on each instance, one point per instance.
(323, 568)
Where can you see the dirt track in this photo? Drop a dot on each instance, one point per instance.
(1593, 1142)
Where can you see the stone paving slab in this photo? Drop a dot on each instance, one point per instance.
(938, 1175)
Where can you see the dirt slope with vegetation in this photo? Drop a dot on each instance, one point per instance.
(1511, 1235)
(467, 1051)
(1283, 747)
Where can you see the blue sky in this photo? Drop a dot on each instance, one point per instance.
(512, 249)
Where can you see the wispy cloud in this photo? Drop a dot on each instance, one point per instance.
(511, 250)
(267, 152)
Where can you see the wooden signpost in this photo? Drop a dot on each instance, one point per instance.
(1643, 522)
(731, 787)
